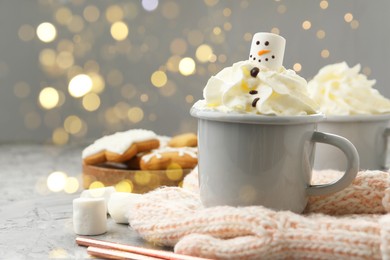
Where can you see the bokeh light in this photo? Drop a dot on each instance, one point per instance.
(60, 136)
(150, 5)
(91, 102)
(56, 181)
(306, 25)
(187, 66)
(71, 185)
(80, 85)
(119, 31)
(49, 98)
(204, 52)
(159, 79)
(46, 32)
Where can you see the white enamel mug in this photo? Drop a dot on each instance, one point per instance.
(263, 160)
(368, 133)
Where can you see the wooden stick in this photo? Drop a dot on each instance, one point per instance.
(90, 242)
(116, 254)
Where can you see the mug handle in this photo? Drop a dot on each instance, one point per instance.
(386, 135)
(352, 167)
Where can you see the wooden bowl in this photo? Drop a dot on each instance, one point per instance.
(139, 181)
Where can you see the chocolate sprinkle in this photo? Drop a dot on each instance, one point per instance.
(255, 102)
(253, 92)
(255, 71)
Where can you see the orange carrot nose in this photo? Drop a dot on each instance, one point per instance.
(261, 52)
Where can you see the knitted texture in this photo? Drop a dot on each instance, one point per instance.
(175, 217)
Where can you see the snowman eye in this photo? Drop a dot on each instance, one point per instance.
(266, 43)
(257, 43)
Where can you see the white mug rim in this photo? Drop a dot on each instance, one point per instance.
(356, 118)
(235, 117)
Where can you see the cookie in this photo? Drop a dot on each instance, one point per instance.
(188, 139)
(160, 159)
(120, 147)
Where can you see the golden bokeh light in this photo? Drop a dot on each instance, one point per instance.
(170, 10)
(281, 9)
(203, 53)
(354, 24)
(195, 37)
(142, 177)
(173, 63)
(169, 89)
(227, 12)
(114, 13)
(91, 13)
(366, 71)
(58, 253)
(178, 46)
(71, 185)
(56, 181)
(65, 60)
(124, 186)
(248, 37)
(324, 4)
(26, 32)
(174, 172)
(187, 66)
(91, 102)
(48, 98)
(189, 99)
(159, 79)
(119, 31)
(73, 124)
(98, 83)
(76, 24)
(275, 30)
(96, 185)
(227, 26)
(348, 17)
(306, 25)
(297, 67)
(211, 2)
(320, 34)
(63, 15)
(80, 85)
(60, 136)
(144, 98)
(135, 114)
(217, 30)
(46, 32)
(47, 57)
(325, 53)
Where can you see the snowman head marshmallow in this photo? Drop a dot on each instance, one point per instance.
(267, 50)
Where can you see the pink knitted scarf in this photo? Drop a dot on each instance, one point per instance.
(351, 224)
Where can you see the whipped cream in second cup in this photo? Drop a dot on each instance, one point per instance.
(340, 90)
(247, 87)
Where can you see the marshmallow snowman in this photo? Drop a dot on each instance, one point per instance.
(267, 49)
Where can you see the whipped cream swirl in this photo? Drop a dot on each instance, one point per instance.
(340, 90)
(247, 87)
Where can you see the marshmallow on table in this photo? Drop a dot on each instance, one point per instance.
(267, 50)
(89, 216)
(120, 204)
(104, 193)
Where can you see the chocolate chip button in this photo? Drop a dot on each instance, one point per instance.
(254, 72)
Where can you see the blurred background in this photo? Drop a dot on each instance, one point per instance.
(74, 70)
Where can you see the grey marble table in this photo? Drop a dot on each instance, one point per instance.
(36, 223)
